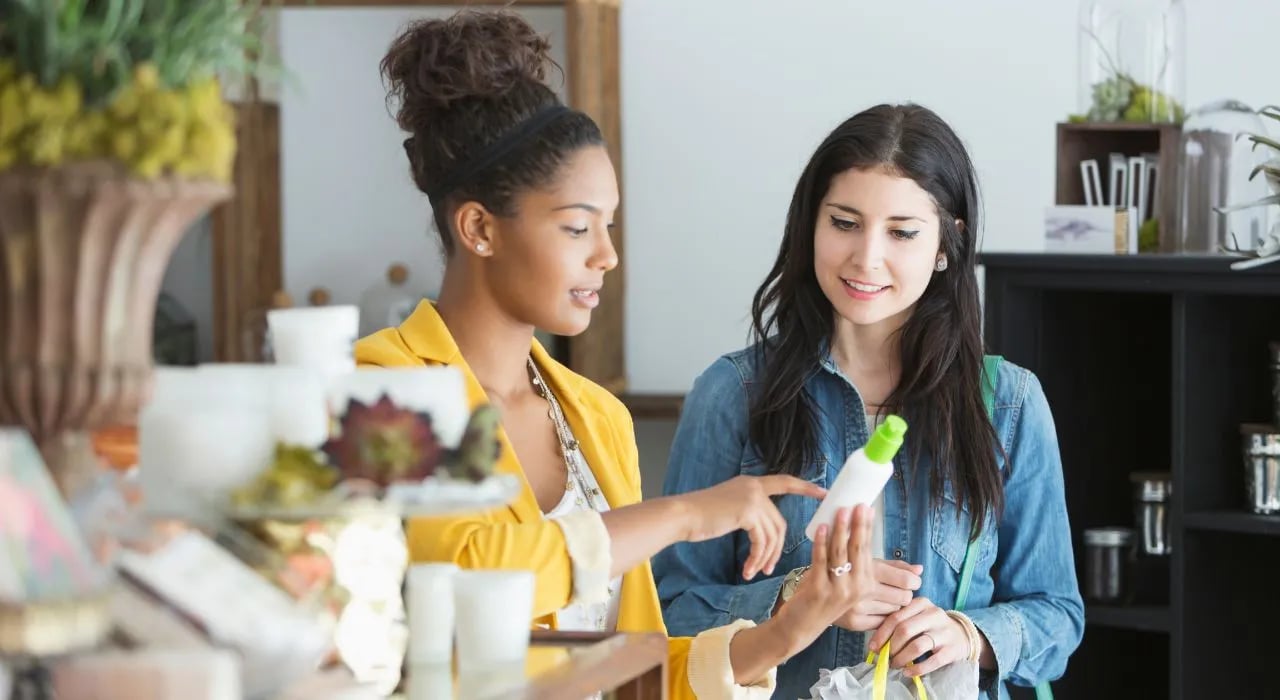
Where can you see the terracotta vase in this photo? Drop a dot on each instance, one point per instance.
(83, 251)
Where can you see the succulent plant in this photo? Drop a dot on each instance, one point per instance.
(1110, 99)
(478, 453)
(296, 477)
(1121, 98)
(385, 443)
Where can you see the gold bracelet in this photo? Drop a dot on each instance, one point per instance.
(970, 632)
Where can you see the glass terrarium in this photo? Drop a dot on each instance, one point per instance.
(1131, 61)
(1218, 169)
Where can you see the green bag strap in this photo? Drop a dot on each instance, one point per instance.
(990, 370)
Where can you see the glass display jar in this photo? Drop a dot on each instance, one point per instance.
(1214, 168)
(1131, 61)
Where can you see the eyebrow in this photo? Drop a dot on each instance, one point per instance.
(855, 212)
(580, 205)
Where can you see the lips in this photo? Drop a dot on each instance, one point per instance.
(588, 297)
(863, 290)
(864, 286)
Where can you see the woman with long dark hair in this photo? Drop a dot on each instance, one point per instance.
(872, 308)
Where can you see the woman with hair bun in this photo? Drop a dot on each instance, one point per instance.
(523, 194)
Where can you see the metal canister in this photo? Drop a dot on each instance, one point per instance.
(1152, 494)
(1108, 564)
(1262, 467)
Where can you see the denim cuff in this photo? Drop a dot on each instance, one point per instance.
(1002, 626)
(755, 601)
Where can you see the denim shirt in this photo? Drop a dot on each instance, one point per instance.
(1024, 596)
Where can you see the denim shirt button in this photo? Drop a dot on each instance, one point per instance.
(897, 554)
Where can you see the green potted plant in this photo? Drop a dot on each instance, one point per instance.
(114, 138)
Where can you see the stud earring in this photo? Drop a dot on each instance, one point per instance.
(480, 247)
(942, 265)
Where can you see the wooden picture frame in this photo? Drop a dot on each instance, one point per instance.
(248, 266)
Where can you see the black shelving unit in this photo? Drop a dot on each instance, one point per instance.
(1151, 363)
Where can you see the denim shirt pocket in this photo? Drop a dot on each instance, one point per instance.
(950, 537)
(796, 510)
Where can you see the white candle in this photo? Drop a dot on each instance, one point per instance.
(431, 613)
(431, 682)
(317, 337)
(494, 614)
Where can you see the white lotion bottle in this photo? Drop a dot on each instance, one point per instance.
(863, 475)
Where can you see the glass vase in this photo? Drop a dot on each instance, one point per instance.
(1132, 61)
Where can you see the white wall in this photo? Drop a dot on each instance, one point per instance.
(723, 102)
(350, 205)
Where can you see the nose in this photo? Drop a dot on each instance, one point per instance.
(869, 249)
(605, 256)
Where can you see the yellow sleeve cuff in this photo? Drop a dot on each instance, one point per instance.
(711, 671)
(587, 540)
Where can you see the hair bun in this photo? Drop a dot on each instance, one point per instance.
(436, 63)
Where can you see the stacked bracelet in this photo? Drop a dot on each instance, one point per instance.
(970, 632)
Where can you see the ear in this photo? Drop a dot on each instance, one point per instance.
(474, 226)
(960, 225)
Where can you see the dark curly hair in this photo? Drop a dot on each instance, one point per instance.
(461, 84)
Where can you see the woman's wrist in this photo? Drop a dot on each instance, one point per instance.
(753, 652)
(681, 516)
(972, 635)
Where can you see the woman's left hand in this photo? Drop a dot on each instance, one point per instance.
(918, 629)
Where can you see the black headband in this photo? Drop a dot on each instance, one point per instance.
(491, 154)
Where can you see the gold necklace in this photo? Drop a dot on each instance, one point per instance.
(570, 450)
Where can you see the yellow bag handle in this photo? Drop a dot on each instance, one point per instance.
(880, 678)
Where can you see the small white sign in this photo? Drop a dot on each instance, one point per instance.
(1090, 229)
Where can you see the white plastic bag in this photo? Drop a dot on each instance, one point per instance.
(874, 680)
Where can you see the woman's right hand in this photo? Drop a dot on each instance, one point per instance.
(896, 583)
(822, 596)
(745, 503)
(825, 594)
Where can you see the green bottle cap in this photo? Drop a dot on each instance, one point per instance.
(886, 440)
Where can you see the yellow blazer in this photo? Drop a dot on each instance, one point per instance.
(518, 536)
